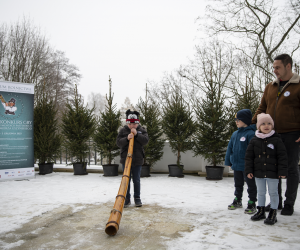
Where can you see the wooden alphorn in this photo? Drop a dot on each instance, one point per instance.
(113, 223)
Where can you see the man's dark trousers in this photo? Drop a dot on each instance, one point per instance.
(292, 181)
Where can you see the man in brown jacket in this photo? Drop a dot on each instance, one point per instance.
(281, 99)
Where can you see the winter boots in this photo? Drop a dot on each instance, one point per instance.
(287, 210)
(235, 204)
(271, 220)
(260, 214)
(127, 202)
(251, 208)
(138, 202)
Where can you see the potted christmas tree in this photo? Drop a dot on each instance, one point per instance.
(106, 134)
(47, 141)
(212, 136)
(179, 127)
(150, 118)
(78, 125)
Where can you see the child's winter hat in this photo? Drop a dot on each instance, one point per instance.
(264, 118)
(132, 116)
(245, 116)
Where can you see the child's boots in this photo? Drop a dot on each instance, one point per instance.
(251, 208)
(138, 202)
(260, 214)
(127, 203)
(235, 204)
(272, 217)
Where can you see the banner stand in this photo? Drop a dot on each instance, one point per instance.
(16, 131)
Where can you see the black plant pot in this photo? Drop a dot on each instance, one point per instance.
(110, 170)
(45, 168)
(175, 171)
(80, 168)
(145, 172)
(214, 172)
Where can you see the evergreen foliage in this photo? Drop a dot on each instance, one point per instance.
(150, 117)
(213, 118)
(47, 141)
(178, 124)
(107, 129)
(78, 125)
(249, 98)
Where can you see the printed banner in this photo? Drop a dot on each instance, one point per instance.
(16, 130)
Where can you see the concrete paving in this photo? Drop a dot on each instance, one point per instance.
(82, 227)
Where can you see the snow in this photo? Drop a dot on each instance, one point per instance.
(213, 225)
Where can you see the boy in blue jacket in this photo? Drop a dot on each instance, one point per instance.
(235, 158)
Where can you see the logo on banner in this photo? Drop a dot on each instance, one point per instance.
(12, 106)
(270, 146)
(243, 138)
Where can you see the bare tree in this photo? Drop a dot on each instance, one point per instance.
(213, 61)
(266, 29)
(246, 84)
(97, 101)
(23, 51)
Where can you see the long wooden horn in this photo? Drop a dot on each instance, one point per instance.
(112, 226)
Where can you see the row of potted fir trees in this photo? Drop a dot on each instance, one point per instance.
(207, 136)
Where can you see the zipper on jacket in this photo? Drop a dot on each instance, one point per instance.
(279, 94)
(275, 110)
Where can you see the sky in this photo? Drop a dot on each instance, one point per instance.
(133, 42)
(65, 211)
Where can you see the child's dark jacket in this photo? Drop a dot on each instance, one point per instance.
(140, 140)
(266, 158)
(235, 154)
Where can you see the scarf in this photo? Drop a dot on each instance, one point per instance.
(262, 135)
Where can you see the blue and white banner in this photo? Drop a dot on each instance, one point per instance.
(16, 130)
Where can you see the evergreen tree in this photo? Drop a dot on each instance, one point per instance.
(213, 120)
(107, 129)
(248, 98)
(178, 124)
(47, 141)
(150, 118)
(78, 125)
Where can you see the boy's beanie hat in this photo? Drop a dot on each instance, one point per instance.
(132, 116)
(245, 116)
(264, 118)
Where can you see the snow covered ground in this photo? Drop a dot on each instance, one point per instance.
(203, 202)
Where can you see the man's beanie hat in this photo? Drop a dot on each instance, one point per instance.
(245, 116)
(264, 118)
(132, 116)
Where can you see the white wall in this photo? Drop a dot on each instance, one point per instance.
(191, 164)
